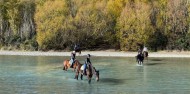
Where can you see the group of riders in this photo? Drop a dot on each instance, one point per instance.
(142, 53)
(87, 69)
(81, 69)
(73, 58)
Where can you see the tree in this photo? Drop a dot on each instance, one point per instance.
(134, 26)
(49, 21)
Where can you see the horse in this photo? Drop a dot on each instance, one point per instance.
(145, 53)
(140, 58)
(67, 65)
(89, 72)
(78, 50)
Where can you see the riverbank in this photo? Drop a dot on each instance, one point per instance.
(96, 53)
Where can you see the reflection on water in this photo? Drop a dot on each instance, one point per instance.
(118, 75)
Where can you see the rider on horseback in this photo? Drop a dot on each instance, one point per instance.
(139, 56)
(145, 51)
(72, 61)
(87, 62)
(88, 59)
(76, 47)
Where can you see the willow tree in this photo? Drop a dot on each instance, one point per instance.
(92, 25)
(134, 26)
(27, 27)
(177, 24)
(50, 16)
(3, 21)
(158, 18)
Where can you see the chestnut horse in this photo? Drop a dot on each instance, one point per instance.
(67, 65)
(89, 72)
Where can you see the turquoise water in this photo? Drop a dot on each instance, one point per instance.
(118, 75)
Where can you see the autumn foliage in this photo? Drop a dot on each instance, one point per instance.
(93, 24)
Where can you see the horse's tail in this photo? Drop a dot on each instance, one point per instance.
(65, 64)
(63, 67)
(145, 54)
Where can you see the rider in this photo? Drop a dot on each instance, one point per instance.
(139, 53)
(88, 59)
(86, 63)
(145, 50)
(73, 54)
(76, 47)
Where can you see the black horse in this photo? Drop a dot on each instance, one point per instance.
(140, 58)
(77, 49)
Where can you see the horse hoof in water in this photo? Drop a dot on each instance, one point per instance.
(89, 81)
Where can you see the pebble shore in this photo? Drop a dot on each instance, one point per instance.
(97, 53)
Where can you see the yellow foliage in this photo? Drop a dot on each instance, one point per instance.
(134, 26)
(115, 7)
(49, 19)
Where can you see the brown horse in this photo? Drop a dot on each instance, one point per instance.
(67, 65)
(89, 72)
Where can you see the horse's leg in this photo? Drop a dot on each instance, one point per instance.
(81, 76)
(89, 80)
(138, 61)
(63, 67)
(74, 69)
(77, 75)
(66, 68)
(141, 62)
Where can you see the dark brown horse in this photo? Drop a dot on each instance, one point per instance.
(78, 50)
(89, 72)
(140, 58)
(67, 65)
(145, 53)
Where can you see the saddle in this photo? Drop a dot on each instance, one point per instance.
(84, 68)
(71, 62)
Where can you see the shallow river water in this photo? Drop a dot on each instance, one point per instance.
(118, 75)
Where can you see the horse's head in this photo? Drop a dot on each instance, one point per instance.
(97, 75)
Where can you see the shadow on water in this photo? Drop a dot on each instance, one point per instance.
(112, 81)
(155, 59)
(151, 64)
